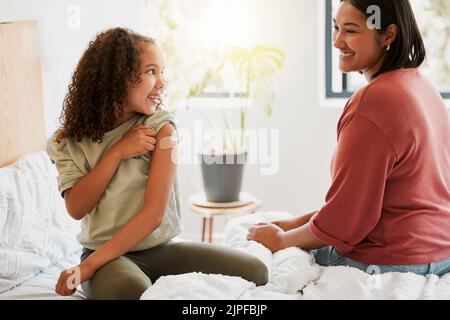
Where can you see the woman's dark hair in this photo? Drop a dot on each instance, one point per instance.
(408, 50)
(98, 91)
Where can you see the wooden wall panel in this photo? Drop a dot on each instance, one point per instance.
(22, 128)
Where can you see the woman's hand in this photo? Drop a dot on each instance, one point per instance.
(138, 141)
(289, 224)
(71, 278)
(295, 222)
(269, 235)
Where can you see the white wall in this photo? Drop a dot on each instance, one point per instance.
(62, 47)
(307, 130)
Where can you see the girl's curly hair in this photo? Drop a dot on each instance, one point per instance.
(98, 92)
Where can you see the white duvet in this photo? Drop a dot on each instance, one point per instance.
(35, 230)
(293, 274)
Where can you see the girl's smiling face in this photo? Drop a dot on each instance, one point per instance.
(145, 97)
(362, 48)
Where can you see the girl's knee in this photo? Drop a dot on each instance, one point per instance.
(250, 267)
(258, 272)
(262, 275)
(116, 288)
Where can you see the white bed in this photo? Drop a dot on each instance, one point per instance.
(37, 235)
(293, 274)
(41, 286)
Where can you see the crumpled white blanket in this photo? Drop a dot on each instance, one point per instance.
(293, 274)
(36, 231)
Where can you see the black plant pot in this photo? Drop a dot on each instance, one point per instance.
(222, 176)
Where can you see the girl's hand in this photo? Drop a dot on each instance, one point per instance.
(268, 234)
(138, 141)
(71, 278)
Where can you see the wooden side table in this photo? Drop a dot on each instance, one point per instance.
(209, 210)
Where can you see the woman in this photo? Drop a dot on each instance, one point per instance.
(389, 202)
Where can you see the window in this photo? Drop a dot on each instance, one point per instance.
(432, 16)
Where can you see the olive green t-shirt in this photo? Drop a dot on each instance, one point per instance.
(124, 196)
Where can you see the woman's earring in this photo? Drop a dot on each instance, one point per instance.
(388, 47)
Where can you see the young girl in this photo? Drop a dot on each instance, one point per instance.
(388, 208)
(115, 155)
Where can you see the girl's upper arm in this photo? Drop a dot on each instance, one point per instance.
(162, 172)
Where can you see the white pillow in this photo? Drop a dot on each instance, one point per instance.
(35, 229)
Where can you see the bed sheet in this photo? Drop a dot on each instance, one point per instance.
(41, 286)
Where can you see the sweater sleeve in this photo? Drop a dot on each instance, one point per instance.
(156, 122)
(362, 162)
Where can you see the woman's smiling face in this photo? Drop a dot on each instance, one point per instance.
(361, 48)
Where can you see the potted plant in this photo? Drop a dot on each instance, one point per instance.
(223, 165)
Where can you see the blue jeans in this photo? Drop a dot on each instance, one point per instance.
(329, 256)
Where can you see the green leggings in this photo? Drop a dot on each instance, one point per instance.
(130, 275)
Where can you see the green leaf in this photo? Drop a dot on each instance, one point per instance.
(253, 69)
